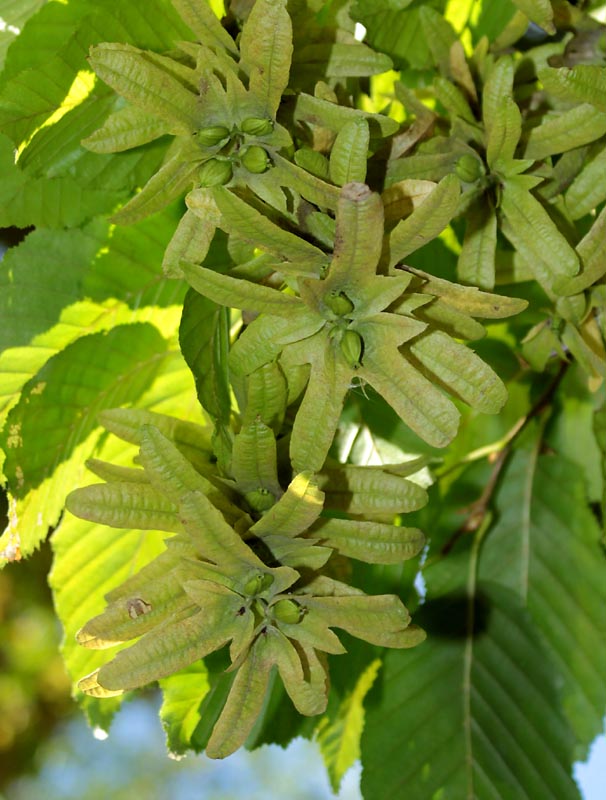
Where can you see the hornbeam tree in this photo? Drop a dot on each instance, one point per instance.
(302, 366)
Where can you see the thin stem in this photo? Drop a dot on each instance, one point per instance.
(478, 509)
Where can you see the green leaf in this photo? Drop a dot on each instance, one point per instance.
(214, 538)
(439, 35)
(534, 234)
(308, 186)
(349, 153)
(312, 161)
(33, 291)
(190, 242)
(339, 733)
(318, 111)
(426, 222)
(127, 424)
(415, 400)
(396, 31)
(115, 472)
(323, 400)
(171, 473)
(575, 127)
(245, 700)
(456, 367)
(453, 99)
(295, 511)
(15, 14)
(264, 339)
(469, 299)
(124, 505)
(266, 51)
(129, 268)
(488, 682)
(135, 76)
(129, 127)
(584, 83)
(266, 397)
(204, 340)
(57, 183)
(182, 696)
(476, 264)
(504, 133)
(539, 11)
(592, 252)
(254, 461)
(369, 491)
(339, 60)
(236, 293)
(599, 431)
(46, 439)
(497, 89)
(205, 24)
(241, 219)
(174, 178)
(431, 161)
(42, 68)
(358, 237)
(546, 548)
(87, 554)
(587, 190)
(373, 542)
(129, 617)
(180, 641)
(379, 619)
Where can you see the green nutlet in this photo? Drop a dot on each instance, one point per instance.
(469, 168)
(255, 159)
(287, 611)
(258, 583)
(209, 137)
(215, 172)
(339, 303)
(260, 500)
(351, 347)
(257, 126)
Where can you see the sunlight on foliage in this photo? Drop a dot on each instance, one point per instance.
(309, 310)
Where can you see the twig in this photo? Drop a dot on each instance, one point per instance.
(477, 510)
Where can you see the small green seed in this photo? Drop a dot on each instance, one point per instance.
(215, 172)
(469, 168)
(339, 303)
(209, 137)
(256, 126)
(351, 347)
(260, 500)
(258, 583)
(287, 611)
(255, 159)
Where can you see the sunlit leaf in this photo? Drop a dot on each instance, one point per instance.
(349, 153)
(476, 265)
(266, 49)
(426, 221)
(572, 128)
(536, 237)
(182, 695)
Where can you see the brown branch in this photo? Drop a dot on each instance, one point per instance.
(477, 510)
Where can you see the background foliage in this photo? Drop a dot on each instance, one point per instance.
(482, 125)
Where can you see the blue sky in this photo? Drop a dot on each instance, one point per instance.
(74, 758)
